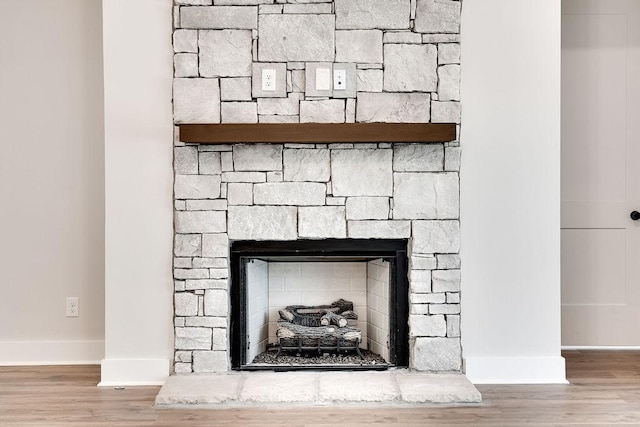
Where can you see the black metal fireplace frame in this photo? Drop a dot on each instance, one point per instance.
(392, 250)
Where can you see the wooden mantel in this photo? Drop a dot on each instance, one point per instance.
(317, 132)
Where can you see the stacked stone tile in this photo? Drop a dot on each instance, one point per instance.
(402, 58)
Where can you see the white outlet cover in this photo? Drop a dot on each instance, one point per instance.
(323, 79)
(339, 79)
(268, 79)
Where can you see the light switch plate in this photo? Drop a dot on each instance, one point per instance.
(323, 79)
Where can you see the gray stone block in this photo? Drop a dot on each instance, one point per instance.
(429, 298)
(453, 297)
(367, 208)
(187, 245)
(185, 304)
(362, 172)
(324, 222)
(215, 245)
(219, 339)
(200, 222)
(362, 46)
(452, 158)
(453, 326)
(449, 82)
(441, 38)
(196, 101)
(244, 177)
(422, 262)
(448, 262)
(426, 196)
(195, 284)
(290, 193)
(185, 41)
(436, 237)
(211, 361)
(235, 89)
(369, 80)
(263, 222)
(296, 38)
(281, 80)
(190, 273)
(437, 354)
(448, 53)
(210, 263)
(379, 229)
(185, 160)
(219, 17)
(240, 193)
(436, 388)
(210, 163)
(207, 205)
(193, 339)
(427, 326)
(418, 157)
(257, 157)
(257, 389)
(344, 387)
(445, 112)
(437, 16)
(393, 107)
(216, 302)
(444, 309)
(410, 67)
(420, 281)
(278, 119)
(197, 186)
(369, 14)
(185, 65)
(225, 53)
(289, 106)
(307, 165)
(326, 111)
(446, 281)
(206, 322)
(402, 37)
(308, 8)
(239, 112)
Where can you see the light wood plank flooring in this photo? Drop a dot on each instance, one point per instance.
(604, 390)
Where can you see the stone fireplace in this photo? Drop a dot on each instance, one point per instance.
(400, 60)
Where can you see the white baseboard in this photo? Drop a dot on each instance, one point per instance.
(516, 370)
(16, 353)
(132, 372)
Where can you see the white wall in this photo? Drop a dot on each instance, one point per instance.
(51, 181)
(138, 190)
(510, 185)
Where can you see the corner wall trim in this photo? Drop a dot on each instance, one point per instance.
(516, 370)
(131, 372)
(17, 353)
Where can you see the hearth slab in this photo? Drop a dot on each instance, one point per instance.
(394, 387)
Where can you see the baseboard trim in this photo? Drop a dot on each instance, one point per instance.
(516, 370)
(132, 372)
(17, 353)
(600, 347)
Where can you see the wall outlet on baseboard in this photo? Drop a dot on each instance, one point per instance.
(72, 307)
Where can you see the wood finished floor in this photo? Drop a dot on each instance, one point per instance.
(604, 390)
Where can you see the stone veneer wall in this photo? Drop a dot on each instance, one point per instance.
(402, 60)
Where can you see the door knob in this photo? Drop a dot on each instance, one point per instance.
(635, 215)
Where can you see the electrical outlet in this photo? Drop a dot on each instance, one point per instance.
(73, 308)
(268, 79)
(339, 79)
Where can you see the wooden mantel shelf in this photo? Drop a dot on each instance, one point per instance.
(317, 132)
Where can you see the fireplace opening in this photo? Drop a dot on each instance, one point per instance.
(319, 304)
